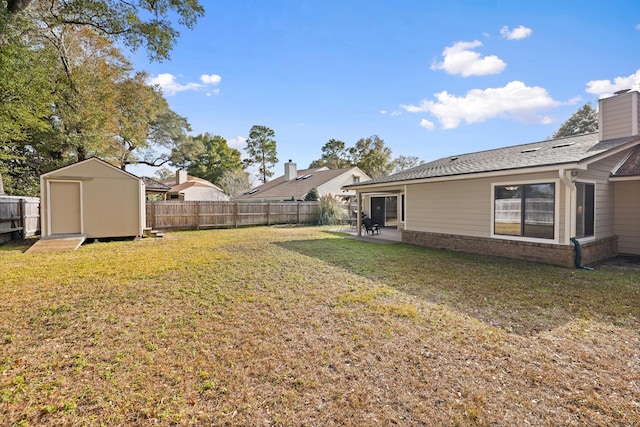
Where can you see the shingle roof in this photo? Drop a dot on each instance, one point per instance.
(296, 188)
(631, 166)
(573, 149)
(151, 184)
(192, 181)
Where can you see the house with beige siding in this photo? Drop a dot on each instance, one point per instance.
(295, 184)
(545, 201)
(187, 188)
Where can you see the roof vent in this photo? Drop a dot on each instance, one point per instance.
(453, 158)
(255, 190)
(530, 150)
(563, 144)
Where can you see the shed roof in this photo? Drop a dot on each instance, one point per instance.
(306, 180)
(574, 149)
(95, 160)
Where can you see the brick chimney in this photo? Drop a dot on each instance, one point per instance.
(618, 115)
(181, 177)
(290, 171)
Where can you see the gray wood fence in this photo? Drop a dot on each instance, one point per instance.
(195, 215)
(19, 217)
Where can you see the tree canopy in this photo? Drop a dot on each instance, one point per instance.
(585, 120)
(261, 151)
(132, 23)
(215, 158)
(68, 93)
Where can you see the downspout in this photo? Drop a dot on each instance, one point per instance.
(578, 259)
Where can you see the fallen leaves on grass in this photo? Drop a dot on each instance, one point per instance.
(294, 326)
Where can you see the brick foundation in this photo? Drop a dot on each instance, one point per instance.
(562, 255)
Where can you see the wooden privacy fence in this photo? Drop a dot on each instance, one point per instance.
(19, 217)
(195, 215)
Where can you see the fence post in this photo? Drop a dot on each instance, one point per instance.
(235, 215)
(268, 213)
(298, 213)
(153, 215)
(197, 215)
(22, 213)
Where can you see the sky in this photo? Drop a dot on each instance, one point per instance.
(430, 78)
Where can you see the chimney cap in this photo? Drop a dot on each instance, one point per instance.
(620, 92)
(289, 160)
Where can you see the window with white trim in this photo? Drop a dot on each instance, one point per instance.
(525, 210)
(585, 209)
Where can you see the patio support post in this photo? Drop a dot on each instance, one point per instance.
(359, 216)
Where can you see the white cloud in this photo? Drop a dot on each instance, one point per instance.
(210, 79)
(238, 142)
(383, 112)
(514, 101)
(607, 88)
(519, 33)
(460, 58)
(167, 82)
(427, 124)
(637, 27)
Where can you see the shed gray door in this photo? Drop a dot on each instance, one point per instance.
(64, 207)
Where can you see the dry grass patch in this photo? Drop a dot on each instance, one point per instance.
(294, 326)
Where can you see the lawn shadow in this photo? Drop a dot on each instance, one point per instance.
(516, 296)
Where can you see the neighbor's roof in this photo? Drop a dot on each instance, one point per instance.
(551, 152)
(306, 180)
(192, 181)
(181, 187)
(151, 184)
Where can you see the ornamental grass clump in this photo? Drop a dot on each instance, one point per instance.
(330, 210)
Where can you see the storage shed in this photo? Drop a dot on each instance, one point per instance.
(92, 198)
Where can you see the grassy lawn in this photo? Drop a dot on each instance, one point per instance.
(297, 326)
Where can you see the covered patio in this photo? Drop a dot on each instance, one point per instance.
(386, 235)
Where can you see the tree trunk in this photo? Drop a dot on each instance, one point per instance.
(1, 186)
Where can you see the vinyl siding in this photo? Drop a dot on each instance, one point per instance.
(627, 216)
(617, 116)
(461, 207)
(599, 173)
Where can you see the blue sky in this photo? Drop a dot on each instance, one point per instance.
(432, 79)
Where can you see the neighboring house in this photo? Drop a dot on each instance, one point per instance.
(155, 190)
(190, 188)
(527, 201)
(92, 198)
(294, 184)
